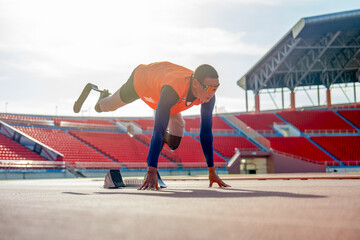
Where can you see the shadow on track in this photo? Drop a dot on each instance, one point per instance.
(211, 193)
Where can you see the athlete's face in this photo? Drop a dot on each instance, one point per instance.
(206, 90)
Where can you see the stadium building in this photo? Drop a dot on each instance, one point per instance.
(318, 51)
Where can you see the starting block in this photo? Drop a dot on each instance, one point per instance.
(113, 179)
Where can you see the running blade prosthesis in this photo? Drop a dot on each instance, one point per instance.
(85, 93)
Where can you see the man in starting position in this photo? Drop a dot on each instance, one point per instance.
(169, 89)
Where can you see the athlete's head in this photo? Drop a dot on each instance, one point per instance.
(205, 71)
(205, 82)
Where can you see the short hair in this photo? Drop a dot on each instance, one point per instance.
(205, 71)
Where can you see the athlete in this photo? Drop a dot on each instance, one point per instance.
(169, 89)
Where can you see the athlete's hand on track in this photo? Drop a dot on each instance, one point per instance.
(213, 177)
(150, 180)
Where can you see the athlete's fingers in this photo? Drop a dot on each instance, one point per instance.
(142, 187)
(223, 184)
(211, 183)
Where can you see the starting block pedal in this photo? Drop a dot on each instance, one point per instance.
(113, 179)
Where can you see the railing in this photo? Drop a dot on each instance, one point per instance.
(266, 132)
(250, 132)
(214, 131)
(59, 165)
(326, 163)
(27, 122)
(351, 162)
(149, 129)
(82, 166)
(348, 106)
(330, 131)
(30, 164)
(142, 165)
(248, 149)
(66, 124)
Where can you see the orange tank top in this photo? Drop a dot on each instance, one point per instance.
(149, 79)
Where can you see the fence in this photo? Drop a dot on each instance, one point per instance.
(29, 164)
(251, 133)
(330, 131)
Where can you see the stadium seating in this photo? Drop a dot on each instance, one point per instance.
(166, 151)
(92, 148)
(344, 148)
(121, 147)
(21, 118)
(301, 147)
(11, 150)
(145, 124)
(261, 122)
(193, 124)
(26, 120)
(226, 145)
(88, 121)
(195, 158)
(72, 149)
(352, 115)
(320, 121)
(97, 124)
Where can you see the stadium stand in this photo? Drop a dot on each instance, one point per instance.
(11, 150)
(226, 145)
(98, 124)
(73, 149)
(99, 149)
(26, 120)
(301, 147)
(261, 122)
(191, 154)
(219, 126)
(352, 115)
(121, 147)
(317, 121)
(89, 121)
(146, 124)
(344, 148)
(166, 151)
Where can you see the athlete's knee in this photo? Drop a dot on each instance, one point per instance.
(172, 141)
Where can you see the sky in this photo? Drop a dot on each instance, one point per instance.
(49, 49)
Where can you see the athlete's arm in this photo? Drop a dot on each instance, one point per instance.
(206, 137)
(168, 98)
(206, 140)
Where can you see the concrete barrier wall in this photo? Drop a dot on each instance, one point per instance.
(278, 163)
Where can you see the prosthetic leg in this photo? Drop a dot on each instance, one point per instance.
(160, 181)
(85, 93)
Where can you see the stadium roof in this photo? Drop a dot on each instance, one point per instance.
(319, 50)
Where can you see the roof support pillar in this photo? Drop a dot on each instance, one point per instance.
(246, 101)
(292, 101)
(354, 92)
(328, 98)
(257, 103)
